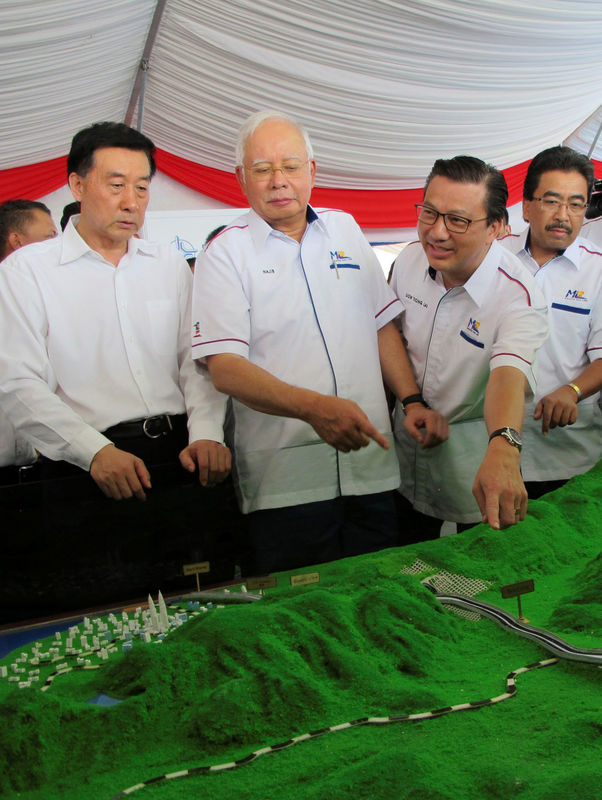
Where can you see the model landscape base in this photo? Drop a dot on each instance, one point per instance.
(329, 667)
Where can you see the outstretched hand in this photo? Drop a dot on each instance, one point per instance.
(343, 424)
(498, 486)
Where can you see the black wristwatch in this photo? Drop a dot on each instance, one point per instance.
(510, 435)
(413, 398)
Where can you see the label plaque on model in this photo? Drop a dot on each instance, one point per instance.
(305, 578)
(193, 569)
(520, 587)
(267, 582)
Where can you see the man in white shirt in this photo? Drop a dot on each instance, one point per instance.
(592, 231)
(21, 222)
(294, 319)
(563, 424)
(472, 319)
(95, 366)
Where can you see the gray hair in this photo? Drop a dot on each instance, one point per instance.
(251, 124)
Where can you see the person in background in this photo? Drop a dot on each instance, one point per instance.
(472, 318)
(23, 222)
(294, 319)
(563, 424)
(68, 211)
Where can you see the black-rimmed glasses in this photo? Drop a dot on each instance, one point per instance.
(453, 222)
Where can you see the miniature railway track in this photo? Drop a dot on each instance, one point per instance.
(549, 641)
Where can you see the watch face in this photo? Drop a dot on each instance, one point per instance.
(512, 436)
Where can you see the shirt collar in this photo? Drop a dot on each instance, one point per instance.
(479, 283)
(73, 246)
(572, 253)
(260, 230)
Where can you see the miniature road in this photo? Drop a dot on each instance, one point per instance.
(552, 643)
(547, 640)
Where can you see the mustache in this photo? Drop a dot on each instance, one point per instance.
(562, 225)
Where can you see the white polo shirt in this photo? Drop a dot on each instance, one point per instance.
(592, 230)
(308, 313)
(572, 285)
(454, 339)
(86, 345)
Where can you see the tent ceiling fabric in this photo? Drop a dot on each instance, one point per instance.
(384, 87)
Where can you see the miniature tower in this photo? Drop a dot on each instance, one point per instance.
(154, 619)
(163, 619)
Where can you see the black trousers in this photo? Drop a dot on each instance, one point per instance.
(67, 547)
(313, 533)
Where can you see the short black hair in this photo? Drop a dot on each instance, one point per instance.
(68, 211)
(14, 216)
(468, 169)
(106, 134)
(562, 158)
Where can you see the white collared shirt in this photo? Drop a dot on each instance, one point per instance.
(86, 345)
(13, 449)
(309, 314)
(572, 285)
(455, 338)
(592, 230)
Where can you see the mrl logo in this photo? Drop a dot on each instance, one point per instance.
(197, 330)
(473, 325)
(575, 294)
(339, 255)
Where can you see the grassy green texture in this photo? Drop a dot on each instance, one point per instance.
(364, 641)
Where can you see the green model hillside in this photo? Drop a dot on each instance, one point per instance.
(366, 640)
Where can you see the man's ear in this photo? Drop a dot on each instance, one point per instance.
(75, 184)
(495, 229)
(240, 177)
(13, 241)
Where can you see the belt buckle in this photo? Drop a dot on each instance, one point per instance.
(163, 432)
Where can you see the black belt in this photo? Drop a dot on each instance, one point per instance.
(151, 427)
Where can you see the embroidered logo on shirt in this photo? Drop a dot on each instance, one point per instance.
(197, 330)
(473, 326)
(339, 260)
(576, 294)
(268, 270)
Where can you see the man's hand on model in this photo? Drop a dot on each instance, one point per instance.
(498, 486)
(120, 474)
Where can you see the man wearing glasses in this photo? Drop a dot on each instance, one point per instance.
(294, 319)
(472, 319)
(568, 269)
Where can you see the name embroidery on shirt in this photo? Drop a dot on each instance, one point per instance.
(268, 270)
(417, 300)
